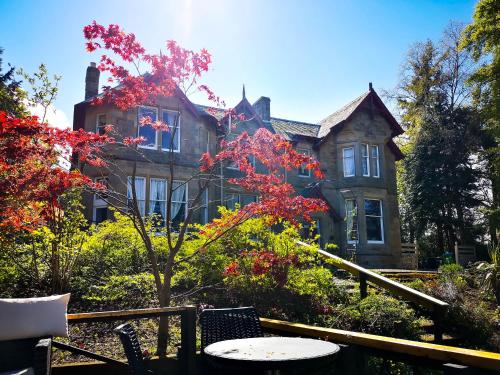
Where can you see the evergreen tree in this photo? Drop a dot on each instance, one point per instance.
(11, 94)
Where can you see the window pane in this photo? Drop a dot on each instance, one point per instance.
(230, 201)
(179, 203)
(302, 170)
(204, 207)
(101, 124)
(373, 228)
(372, 207)
(375, 161)
(349, 168)
(351, 219)
(365, 160)
(147, 131)
(246, 199)
(140, 191)
(157, 202)
(170, 138)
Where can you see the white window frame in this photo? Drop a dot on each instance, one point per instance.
(365, 158)
(204, 207)
(353, 160)
(97, 127)
(155, 147)
(302, 171)
(377, 159)
(129, 181)
(177, 132)
(98, 202)
(154, 200)
(381, 218)
(187, 197)
(349, 241)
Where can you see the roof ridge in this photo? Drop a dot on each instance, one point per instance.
(346, 105)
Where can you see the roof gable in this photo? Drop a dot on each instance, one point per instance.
(337, 119)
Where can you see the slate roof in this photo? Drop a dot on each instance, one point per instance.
(290, 128)
(341, 115)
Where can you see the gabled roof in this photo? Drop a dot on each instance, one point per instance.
(338, 118)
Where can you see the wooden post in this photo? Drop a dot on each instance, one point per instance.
(363, 286)
(456, 253)
(188, 340)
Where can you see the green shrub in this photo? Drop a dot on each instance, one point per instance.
(387, 316)
(123, 292)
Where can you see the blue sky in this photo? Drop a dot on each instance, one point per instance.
(309, 57)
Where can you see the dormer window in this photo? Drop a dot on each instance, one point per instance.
(348, 161)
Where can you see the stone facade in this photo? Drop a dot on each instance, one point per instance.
(362, 124)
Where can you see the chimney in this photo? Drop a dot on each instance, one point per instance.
(92, 81)
(263, 108)
(370, 86)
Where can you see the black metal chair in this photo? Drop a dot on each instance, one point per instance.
(25, 353)
(132, 349)
(228, 324)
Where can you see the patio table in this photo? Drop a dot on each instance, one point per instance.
(271, 353)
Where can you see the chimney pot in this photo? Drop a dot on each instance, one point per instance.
(92, 81)
(370, 86)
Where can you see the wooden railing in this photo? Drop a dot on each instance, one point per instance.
(436, 306)
(355, 345)
(187, 351)
(443, 357)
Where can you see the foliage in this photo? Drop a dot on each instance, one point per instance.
(438, 180)
(11, 94)
(43, 261)
(491, 272)
(469, 315)
(43, 90)
(123, 292)
(482, 39)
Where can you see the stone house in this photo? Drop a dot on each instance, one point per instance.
(354, 146)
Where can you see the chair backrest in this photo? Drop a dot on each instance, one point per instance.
(228, 324)
(22, 353)
(132, 348)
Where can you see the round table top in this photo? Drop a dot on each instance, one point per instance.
(271, 349)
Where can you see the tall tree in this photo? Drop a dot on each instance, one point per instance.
(482, 39)
(165, 73)
(438, 176)
(11, 94)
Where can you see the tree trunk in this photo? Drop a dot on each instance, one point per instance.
(163, 327)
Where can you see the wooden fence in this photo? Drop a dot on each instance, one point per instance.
(464, 254)
(409, 256)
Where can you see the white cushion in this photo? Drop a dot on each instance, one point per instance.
(22, 318)
(24, 371)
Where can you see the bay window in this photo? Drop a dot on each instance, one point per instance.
(374, 221)
(348, 161)
(351, 210)
(375, 163)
